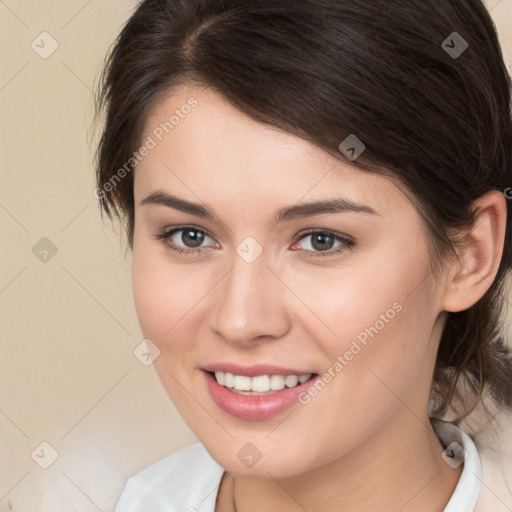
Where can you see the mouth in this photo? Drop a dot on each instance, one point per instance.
(260, 384)
(257, 396)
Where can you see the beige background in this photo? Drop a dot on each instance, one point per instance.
(68, 327)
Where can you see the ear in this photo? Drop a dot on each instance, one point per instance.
(480, 254)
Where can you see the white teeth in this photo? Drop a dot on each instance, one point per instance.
(276, 382)
(242, 383)
(291, 380)
(229, 379)
(260, 383)
(304, 378)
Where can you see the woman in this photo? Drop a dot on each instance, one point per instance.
(315, 194)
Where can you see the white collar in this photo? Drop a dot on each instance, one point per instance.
(460, 448)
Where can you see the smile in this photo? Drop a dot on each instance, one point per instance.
(258, 396)
(260, 384)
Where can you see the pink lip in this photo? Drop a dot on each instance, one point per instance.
(253, 370)
(255, 407)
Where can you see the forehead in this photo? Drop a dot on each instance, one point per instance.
(213, 149)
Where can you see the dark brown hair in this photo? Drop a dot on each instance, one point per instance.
(437, 122)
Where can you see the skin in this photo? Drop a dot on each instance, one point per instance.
(364, 442)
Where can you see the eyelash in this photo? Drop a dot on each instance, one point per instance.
(346, 243)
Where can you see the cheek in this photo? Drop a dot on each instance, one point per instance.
(168, 298)
(373, 324)
(378, 357)
(164, 296)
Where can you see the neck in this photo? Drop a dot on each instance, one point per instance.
(399, 468)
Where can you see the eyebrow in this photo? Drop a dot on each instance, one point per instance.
(298, 211)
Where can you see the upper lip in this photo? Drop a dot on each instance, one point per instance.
(253, 370)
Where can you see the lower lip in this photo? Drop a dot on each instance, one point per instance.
(254, 407)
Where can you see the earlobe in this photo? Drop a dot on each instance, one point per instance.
(480, 254)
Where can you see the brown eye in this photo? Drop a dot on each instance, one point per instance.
(316, 243)
(185, 239)
(192, 237)
(322, 242)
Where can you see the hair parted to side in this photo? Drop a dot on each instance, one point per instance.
(323, 69)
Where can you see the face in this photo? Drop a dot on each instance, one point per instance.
(251, 283)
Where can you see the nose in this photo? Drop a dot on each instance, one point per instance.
(250, 304)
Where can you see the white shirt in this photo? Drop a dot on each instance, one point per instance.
(188, 480)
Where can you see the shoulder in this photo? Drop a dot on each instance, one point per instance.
(185, 481)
